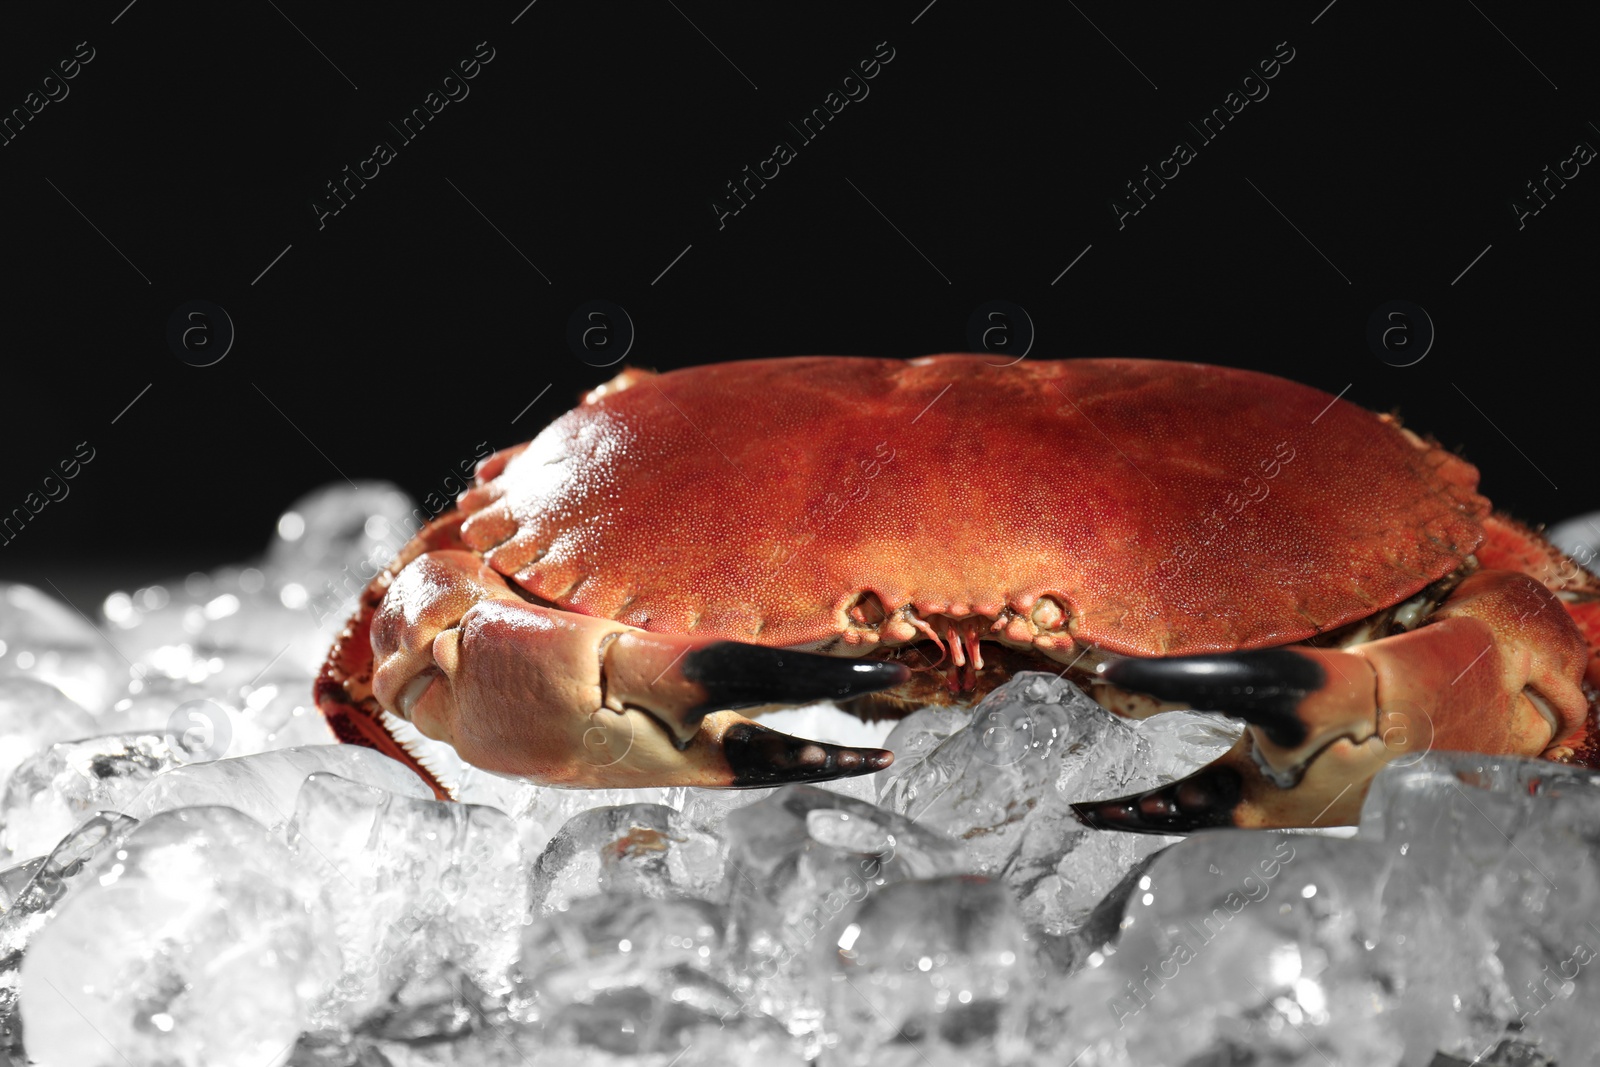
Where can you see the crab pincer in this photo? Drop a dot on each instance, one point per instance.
(568, 699)
(1499, 667)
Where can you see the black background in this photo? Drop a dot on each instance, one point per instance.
(414, 324)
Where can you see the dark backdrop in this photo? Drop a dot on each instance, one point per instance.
(183, 160)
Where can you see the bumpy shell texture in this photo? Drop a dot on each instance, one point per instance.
(1172, 507)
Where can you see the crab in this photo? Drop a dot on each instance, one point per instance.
(610, 603)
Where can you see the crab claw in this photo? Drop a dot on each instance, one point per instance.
(1312, 718)
(568, 699)
(691, 688)
(1499, 668)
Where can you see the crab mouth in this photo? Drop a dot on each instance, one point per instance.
(929, 682)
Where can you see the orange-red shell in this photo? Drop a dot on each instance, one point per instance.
(1173, 507)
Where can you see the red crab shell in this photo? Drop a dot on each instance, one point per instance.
(1172, 508)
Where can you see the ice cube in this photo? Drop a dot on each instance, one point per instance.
(415, 883)
(331, 542)
(49, 877)
(619, 940)
(147, 711)
(799, 863)
(264, 786)
(1579, 538)
(342, 1048)
(279, 713)
(192, 628)
(708, 809)
(647, 849)
(38, 885)
(1004, 782)
(491, 1045)
(1460, 809)
(15, 878)
(942, 965)
(34, 715)
(924, 730)
(1322, 892)
(191, 945)
(1174, 744)
(1540, 905)
(541, 811)
(432, 1021)
(440, 1004)
(826, 721)
(52, 791)
(862, 787)
(43, 638)
(202, 718)
(225, 717)
(260, 716)
(1508, 850)
(1064, 954)
(1244, 940)
(702, 1023)
(623, 975)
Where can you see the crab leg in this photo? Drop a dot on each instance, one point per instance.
(1498, 669)
(568, 699)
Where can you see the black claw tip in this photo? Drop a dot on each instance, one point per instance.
(737, 675)
(1203, 800)
(1263, 687)
(762, 757)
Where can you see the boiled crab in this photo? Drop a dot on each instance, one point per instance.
(898, 533)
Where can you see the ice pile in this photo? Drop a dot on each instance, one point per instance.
(193, 875)
(1460, 921)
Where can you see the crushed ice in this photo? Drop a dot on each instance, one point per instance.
(191, 873)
